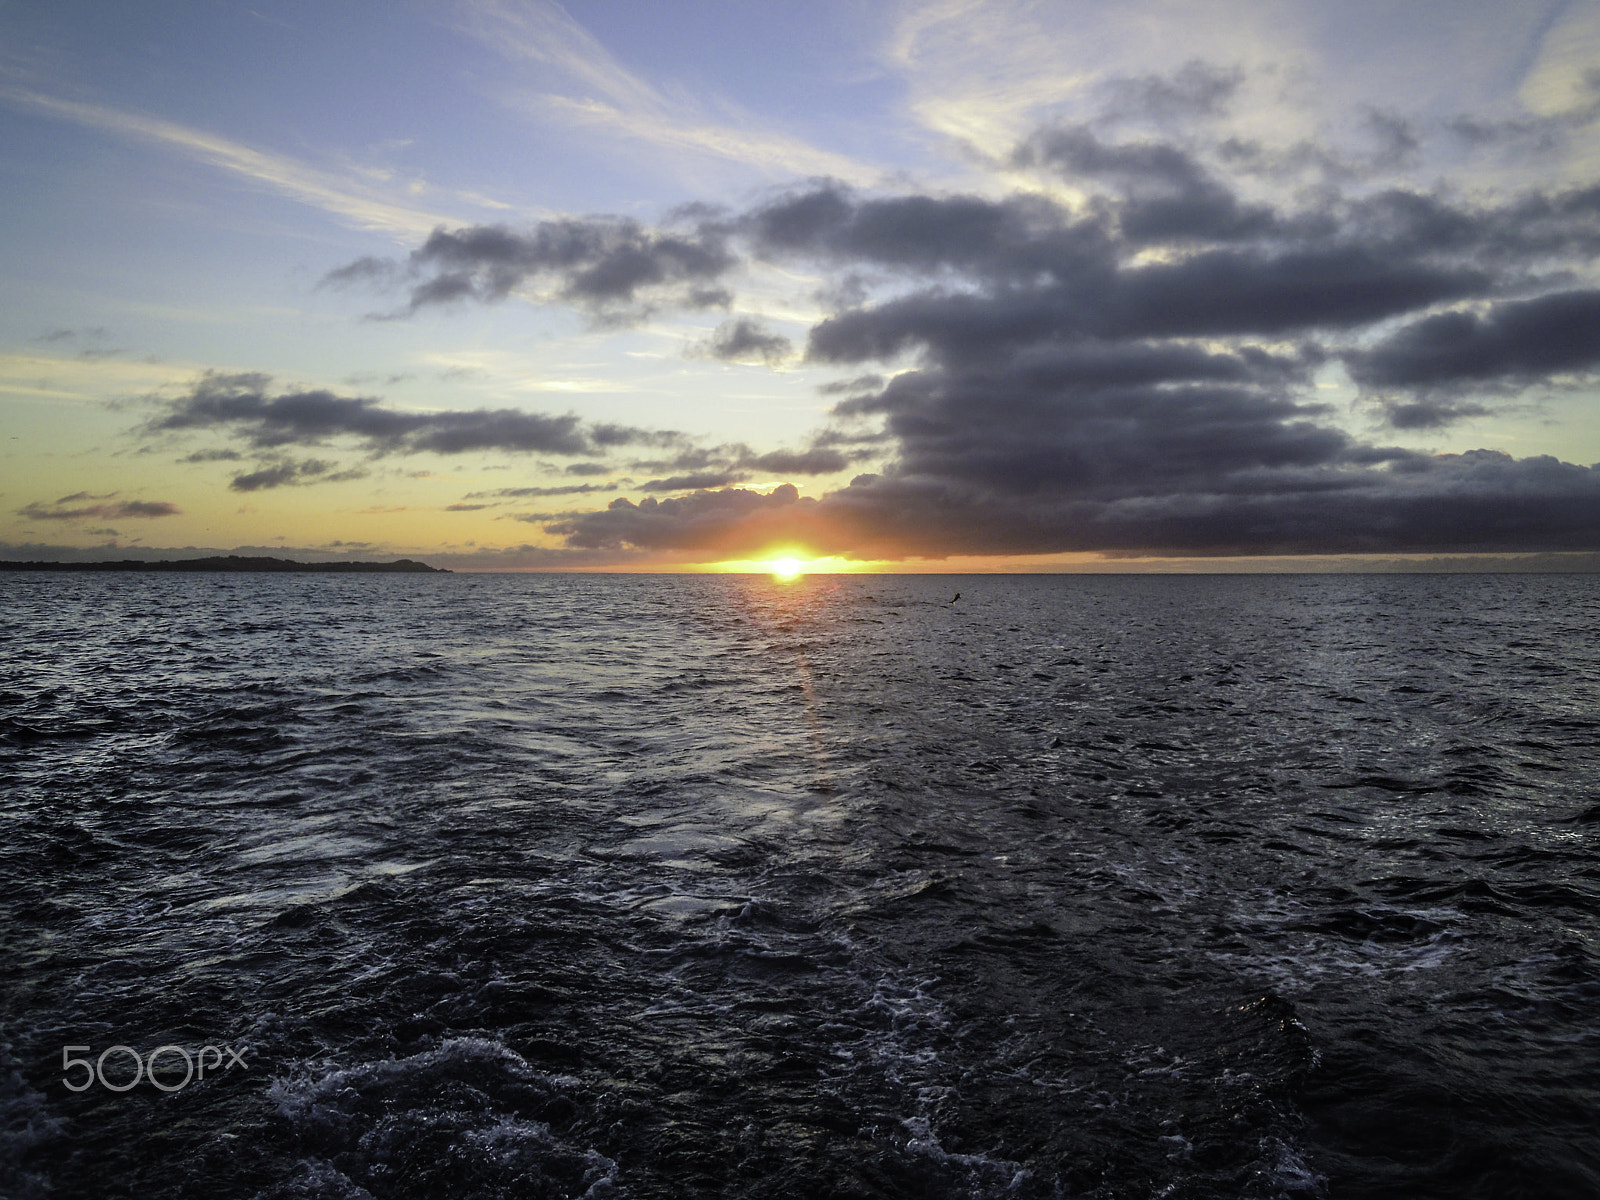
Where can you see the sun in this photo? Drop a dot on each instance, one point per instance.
(787, 568)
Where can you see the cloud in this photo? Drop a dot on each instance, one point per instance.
(1033, 270)
(1196, 89)
(1540, 133)
(545, 33)
(704, 521)
(745, 340)
(287, 473)
(1480, 502)
(1397, 143)
(700, 479)
(365, 270)
(1166, 193)
(619, 102)
(571, 489)
(277, 475)
(1430, 413)
(121, 510)
(1129, 366)
(339, 196)
(817, 460)
(76, 496)
(268, 420)
(860, 383)
(200, 456)
(612, 267)
(771, 152)
(1515, 340)
(92, 333)
(732, 462)
(247, 406)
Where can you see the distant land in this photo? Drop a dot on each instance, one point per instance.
(232, 562)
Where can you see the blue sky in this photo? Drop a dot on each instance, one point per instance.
(1261, 280)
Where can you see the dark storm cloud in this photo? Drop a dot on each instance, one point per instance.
(1524, 234)
(247, 406)
(122, 509)
(613, 267)
(745, 340)
(699, 521)
(1103, 423)
(1210, 294)
(1016, 240)
(1482, 502)
(1165, 193)
(1267, 294)
(1135, 372)
(1032, 245)
(1518, 340)
(1022, 270)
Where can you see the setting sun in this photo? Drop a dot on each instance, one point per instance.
(787, 568)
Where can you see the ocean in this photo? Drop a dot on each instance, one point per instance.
(691, 886)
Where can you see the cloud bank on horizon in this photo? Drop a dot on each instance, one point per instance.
(1217, 304)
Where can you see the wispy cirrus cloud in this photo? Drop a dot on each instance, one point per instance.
(80, 378)
(775, 154)
(612, 99)
(344, 197)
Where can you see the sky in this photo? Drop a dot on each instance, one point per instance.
(965, 284)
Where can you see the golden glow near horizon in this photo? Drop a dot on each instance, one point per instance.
(789, 565)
